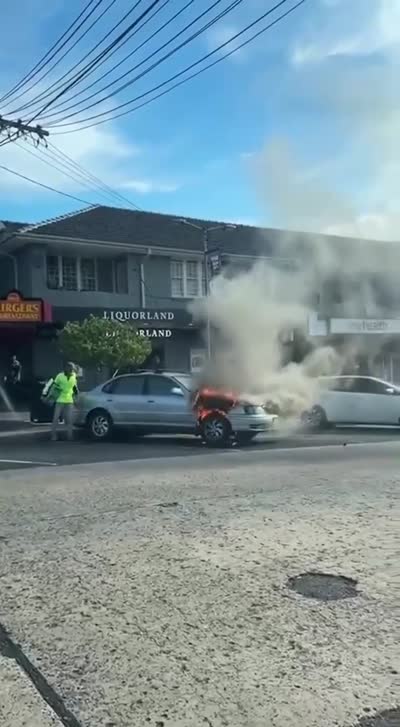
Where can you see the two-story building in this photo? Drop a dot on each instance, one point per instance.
(146, 268)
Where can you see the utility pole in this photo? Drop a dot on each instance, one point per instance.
(15, 129)
(206, 250)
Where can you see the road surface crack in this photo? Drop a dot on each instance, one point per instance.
(11, 650)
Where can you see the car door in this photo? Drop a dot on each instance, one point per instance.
(339, 399)
(167, 405)
(125, 400)
(380, 402)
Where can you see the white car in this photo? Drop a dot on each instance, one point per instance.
(354, 400)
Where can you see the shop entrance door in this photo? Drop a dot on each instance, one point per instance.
(18, 342)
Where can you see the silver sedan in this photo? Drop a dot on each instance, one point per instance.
(160, 403)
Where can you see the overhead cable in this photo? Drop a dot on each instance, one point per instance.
(81, 123)
(161, 60)
(129, 55)
(58, 61)
(76, 173)
(46, 186)
(58, 84)
(93, 63)
(177, 48)
(46, 59)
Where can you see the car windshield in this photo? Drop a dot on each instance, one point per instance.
(185, 381)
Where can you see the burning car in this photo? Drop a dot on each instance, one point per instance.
(223, 416)
(155, 402)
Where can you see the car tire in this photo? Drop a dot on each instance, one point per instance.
(315, 418)
(244, 438)
(99, 425)
(216, 430)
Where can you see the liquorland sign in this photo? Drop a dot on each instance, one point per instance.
(16, 309)
(144, 317)
(151, 323)
(381, 326)
(139, 316)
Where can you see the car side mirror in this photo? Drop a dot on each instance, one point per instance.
(177, 391)
(390, 391)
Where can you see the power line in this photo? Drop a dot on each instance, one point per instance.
(46, 186)
(78, 177)
(181, 73)
(177, 48)
(38, 67)
(57, 85)
(61, 58)
(129, 55)
(104, 53)
(72, 163)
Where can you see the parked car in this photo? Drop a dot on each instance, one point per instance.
(161, 402)
(354, 400)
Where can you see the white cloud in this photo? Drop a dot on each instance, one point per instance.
(346, 71)
(370, 28)
(147, 186)
(220, 34)
(102, 151)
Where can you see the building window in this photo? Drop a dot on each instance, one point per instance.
(88, 274)
(107, 275)
(120, 275)
(69, 273)
(177, 279)
(198, 357)
(187, 278)
(53, 272)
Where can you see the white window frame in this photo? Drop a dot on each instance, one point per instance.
(78, 261)
(200, 277)
(77, 270)
(79, 274)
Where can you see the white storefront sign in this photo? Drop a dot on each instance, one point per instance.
(365, 326)
(147, 316)
(155, 332)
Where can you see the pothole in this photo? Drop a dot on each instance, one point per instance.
(388, 718)
(323, 586)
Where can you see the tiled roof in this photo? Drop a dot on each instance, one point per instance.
(12, 226)
(115, 225)
(129, 227)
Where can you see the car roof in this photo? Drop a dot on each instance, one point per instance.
(157, 372)
(349, 376)
(358, 376)
(151, 372)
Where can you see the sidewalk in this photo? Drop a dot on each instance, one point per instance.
(12, 423)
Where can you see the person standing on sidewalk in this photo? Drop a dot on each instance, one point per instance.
(66, 388)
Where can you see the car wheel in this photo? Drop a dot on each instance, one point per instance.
(315, 418)
(99, 425)
(244, 438)
(216, 430)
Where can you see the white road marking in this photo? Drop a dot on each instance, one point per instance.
(27, 461)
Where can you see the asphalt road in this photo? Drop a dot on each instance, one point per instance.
(24, 452)
(156, 592)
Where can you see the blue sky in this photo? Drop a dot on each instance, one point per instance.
(300, 129)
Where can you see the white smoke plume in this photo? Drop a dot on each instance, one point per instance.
(253, 317)
(252, 312)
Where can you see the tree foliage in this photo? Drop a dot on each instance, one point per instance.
(99, 343)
